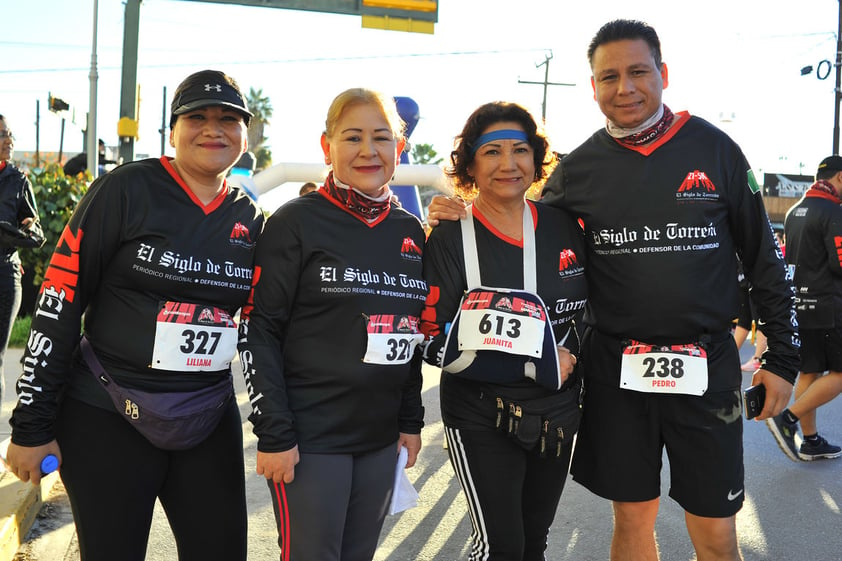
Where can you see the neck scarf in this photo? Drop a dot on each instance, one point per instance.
(825, 189)
(651, 129)
(2, 166)
(355, 202)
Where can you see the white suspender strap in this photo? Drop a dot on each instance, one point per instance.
(530, 277)
(469, 247)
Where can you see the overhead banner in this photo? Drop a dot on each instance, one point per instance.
(785, 184)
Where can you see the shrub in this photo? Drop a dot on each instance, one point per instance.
(56, 196)
(20, 332)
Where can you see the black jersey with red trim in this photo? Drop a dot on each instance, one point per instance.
(325, 281)
(17, 203)
(138, 238)
(813, 231)
(663, 224)
(561, 284)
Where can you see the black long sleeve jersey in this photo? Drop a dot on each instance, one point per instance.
(813, 229)
(159, 277)
(328, 286)
(17, 203)
(662, 225)
(561, 284)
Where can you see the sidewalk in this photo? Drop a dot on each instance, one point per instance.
(19, 506)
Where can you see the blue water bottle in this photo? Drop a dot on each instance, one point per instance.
(49, 464)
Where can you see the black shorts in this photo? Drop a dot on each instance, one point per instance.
(619, 450)
(821, 349)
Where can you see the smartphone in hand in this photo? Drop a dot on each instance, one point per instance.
(753, 400)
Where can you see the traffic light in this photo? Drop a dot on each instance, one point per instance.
(56, 104)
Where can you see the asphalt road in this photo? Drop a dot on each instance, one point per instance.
(792, 510)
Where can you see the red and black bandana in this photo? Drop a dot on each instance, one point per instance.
(825, 190)
(650, 133)
(357, 203)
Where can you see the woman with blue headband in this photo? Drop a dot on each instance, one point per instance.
(505, 285)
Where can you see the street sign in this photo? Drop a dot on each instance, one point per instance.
(415, 10)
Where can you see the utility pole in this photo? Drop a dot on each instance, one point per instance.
(837, 94)
(163, 129)
(37, 133)
(546, 82)
(91, 138)
(127, 125)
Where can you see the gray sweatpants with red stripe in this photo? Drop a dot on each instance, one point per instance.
(334, 508)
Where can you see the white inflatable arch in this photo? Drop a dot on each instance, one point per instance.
(277, 175)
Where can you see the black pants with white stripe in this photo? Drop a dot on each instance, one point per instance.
(512, 494)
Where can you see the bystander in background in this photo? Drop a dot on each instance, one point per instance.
(813, 230)
(308, 187)
(79, 162)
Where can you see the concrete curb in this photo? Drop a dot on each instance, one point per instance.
(20, 502)
(19, 506)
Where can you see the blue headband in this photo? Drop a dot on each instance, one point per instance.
(508, 134)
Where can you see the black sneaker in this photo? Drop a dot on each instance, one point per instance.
(822, 449)
(785, 434)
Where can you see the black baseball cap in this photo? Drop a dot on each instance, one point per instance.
(831, 163)
(207, 88)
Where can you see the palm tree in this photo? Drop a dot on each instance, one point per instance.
(261, 107)
(425, 154)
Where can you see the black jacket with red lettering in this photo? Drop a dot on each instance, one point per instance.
(320, 274)
(138, 238)
(663, 223)
(813, 230)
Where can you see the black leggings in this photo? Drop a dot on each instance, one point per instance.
(10, 296)
(113, 476)
(512, 494)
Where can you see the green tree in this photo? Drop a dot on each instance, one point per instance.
(261, 107)
(425, 154)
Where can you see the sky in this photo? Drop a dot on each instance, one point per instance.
(735, 63)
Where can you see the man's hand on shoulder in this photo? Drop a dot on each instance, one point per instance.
(445, 208)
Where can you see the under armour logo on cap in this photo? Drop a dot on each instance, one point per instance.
(208, 88)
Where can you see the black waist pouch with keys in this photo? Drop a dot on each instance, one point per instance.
(544, 424)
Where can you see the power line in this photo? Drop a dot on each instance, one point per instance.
(286, 61)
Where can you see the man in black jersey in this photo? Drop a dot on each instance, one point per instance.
(666, 200)
(813, 229)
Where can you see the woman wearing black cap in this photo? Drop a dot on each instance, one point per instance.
(158, 258)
